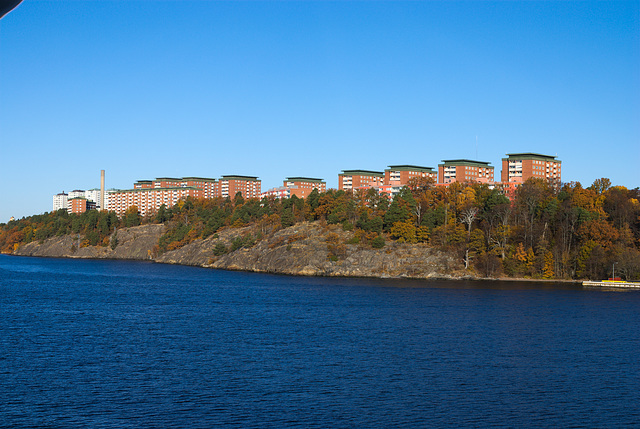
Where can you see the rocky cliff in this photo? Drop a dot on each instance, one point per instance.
(303, 249)
(138, 242)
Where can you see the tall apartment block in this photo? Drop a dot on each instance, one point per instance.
(301, 187)
(94, 196)
(149, 195)
(360, 179)
(60, 201)
(248, 186)
(148, 200)
(464, 170)
(80, 205)
(400, 175)
(519, 167)
(209, 187)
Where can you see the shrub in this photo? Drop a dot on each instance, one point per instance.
(378, 242)
(114, 241)
(220, 249)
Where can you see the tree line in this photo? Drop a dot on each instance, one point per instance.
(569, 232)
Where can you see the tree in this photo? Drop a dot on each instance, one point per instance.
(131, 217)
(404, 231)
(601, 185)
(467, 217)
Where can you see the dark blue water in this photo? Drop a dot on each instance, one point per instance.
(129, 344)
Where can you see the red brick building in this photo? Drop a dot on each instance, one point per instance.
(248, 186)
(360, 179)
(518, 167)
(464, 170)
(77, 205)
(400, 175)
(149, 200)
(301, 187)
(150, 195)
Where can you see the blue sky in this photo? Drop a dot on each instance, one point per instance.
(147, 89)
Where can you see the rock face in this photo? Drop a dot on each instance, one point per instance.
(302, 249)
(138, 242)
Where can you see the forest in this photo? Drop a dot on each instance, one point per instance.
(543, 232)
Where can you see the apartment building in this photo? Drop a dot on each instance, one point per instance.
(400, 175)
(149, 195)
(518, 167)
(77, 193)
(149, 200)
(279, 192)
(360, 179)
(79, 205)
(464, 170)
(60, 201)
(94, 196)
(210, 187)
(301, 187)
(248, 186)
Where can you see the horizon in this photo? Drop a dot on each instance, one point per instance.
(286, 89)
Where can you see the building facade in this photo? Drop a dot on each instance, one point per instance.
(79, 205)
(60, 201)
(360, 179)
(77, 193)
(518, 167)
(148, 200)
(248, 186)
(149, 195)
(301, 187)
(465, 170)
(95, 196)
(279, 192)
(401, 175)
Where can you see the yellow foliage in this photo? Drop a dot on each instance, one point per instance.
(422, 234)
(404, 231)
(548, 272)
(520, 255)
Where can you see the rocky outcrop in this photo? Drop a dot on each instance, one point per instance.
(303, 249)
(138, 242)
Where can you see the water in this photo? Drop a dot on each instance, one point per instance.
(107, 344)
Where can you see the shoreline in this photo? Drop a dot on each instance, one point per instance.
(451, 278)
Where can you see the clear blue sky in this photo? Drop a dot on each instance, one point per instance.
(147, 89)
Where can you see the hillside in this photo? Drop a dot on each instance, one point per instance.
(302, 249)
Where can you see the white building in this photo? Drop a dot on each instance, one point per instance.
(76, 194)
(60, 201)
(94, 196)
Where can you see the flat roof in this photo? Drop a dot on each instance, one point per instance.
(466, 162)
(239, 177)
(173, 188)
(304, 179)
(203, 179)
(406, 167)
(361, 173)
(531, 155)
(172, 179)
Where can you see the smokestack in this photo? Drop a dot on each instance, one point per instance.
(102, 206)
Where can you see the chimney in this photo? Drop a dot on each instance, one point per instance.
(102, 206)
